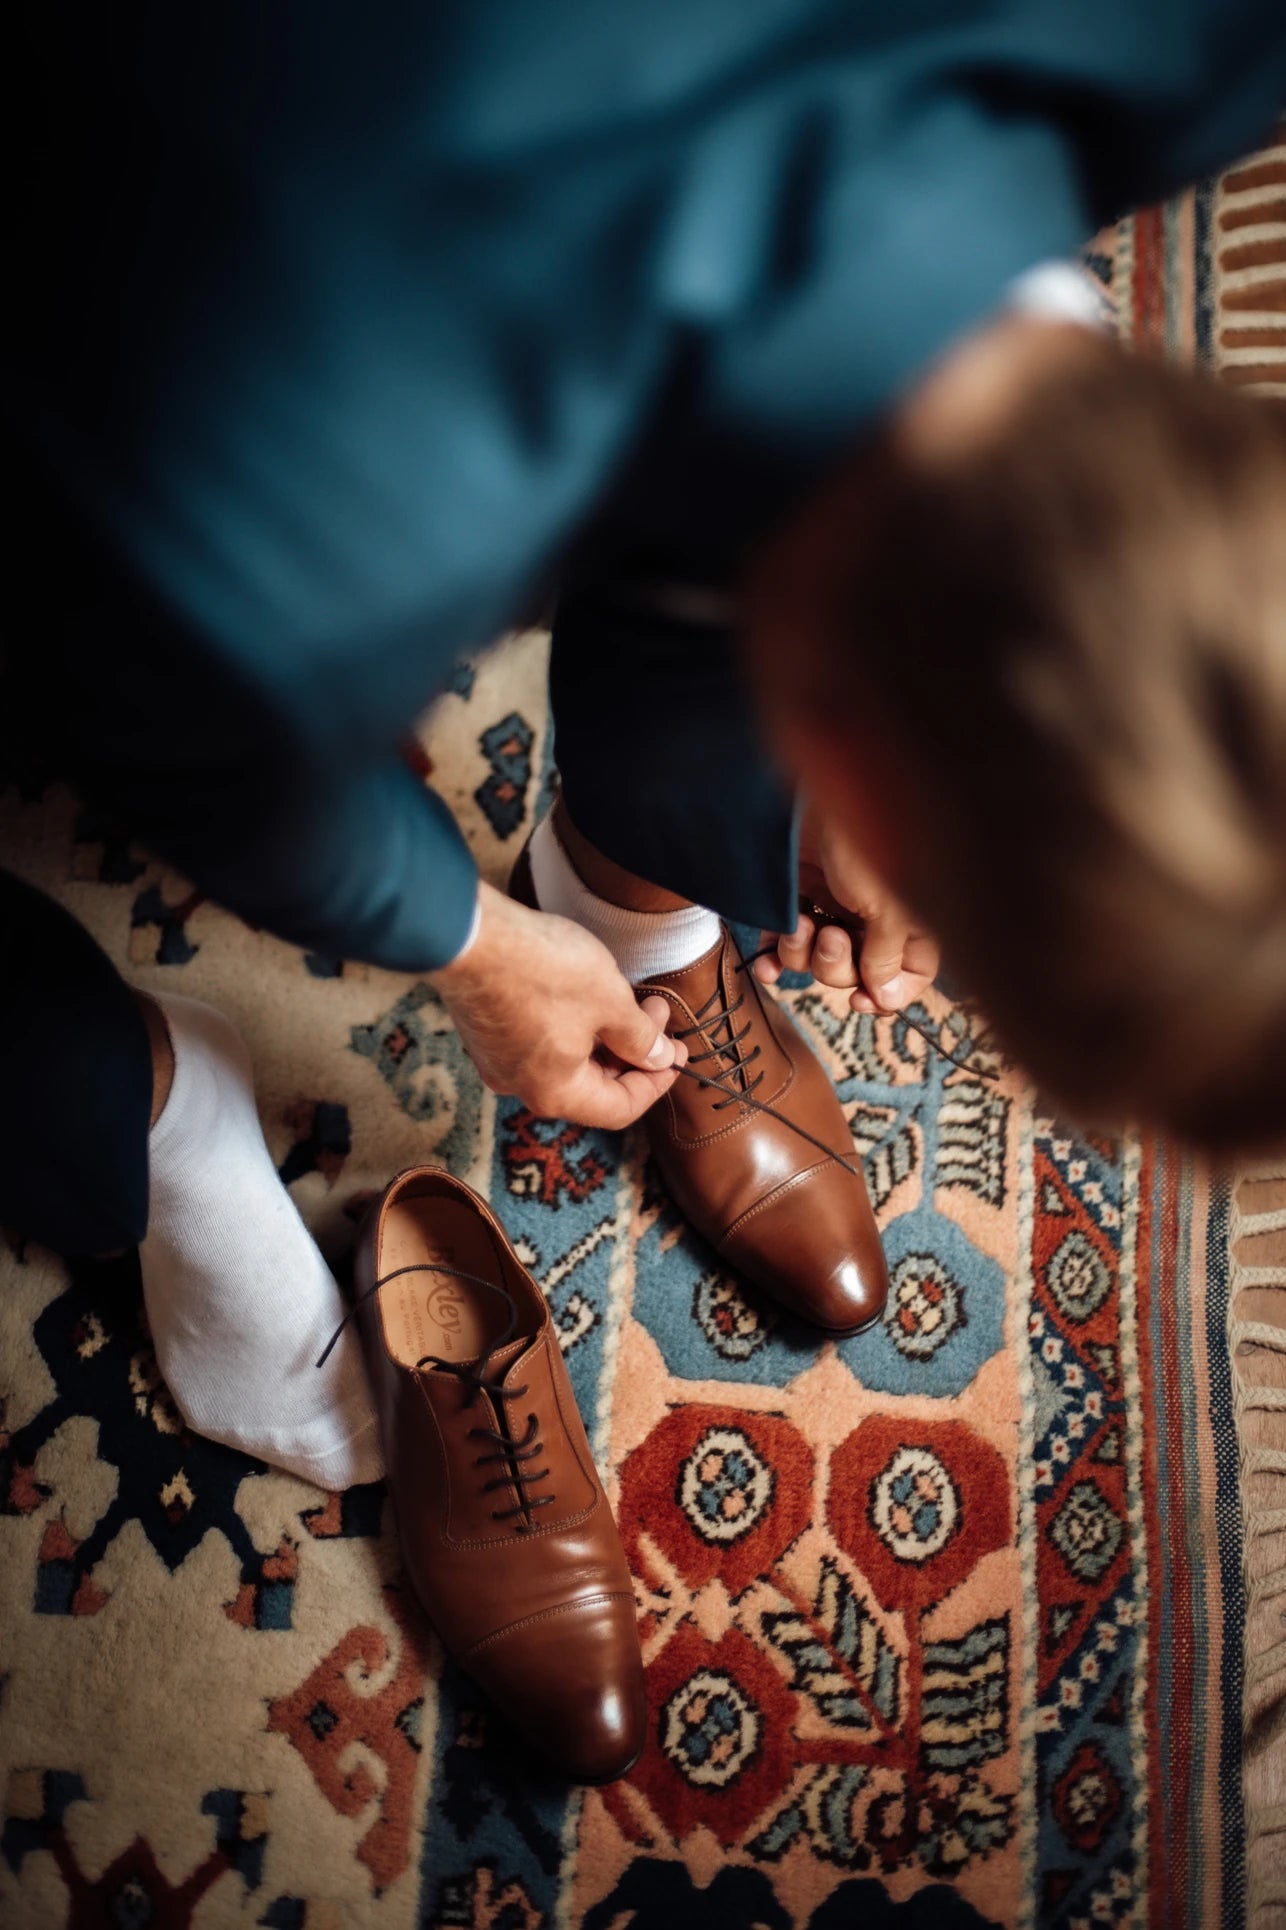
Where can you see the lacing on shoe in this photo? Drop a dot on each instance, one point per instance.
(736, 1064)
(472, 1375)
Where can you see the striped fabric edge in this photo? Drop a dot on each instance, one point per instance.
(1248, 263)
(1193, 1718)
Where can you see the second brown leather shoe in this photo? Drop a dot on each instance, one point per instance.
(506, 1532)
(769, 1197)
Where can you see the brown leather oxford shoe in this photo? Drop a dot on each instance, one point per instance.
(506, 1532)
(765, 1191)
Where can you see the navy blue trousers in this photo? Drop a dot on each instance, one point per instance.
(75, 1083)
(661, 757)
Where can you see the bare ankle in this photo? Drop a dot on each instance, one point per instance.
(606, 878)
(158, 1039)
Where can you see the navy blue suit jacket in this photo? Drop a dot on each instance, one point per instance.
(333, 329)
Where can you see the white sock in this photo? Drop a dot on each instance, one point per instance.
(643, 943)
(239, 1300)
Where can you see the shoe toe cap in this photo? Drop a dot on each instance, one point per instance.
(572, 1682)
(814, 1246)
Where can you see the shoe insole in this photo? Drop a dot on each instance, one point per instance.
(434, 1313)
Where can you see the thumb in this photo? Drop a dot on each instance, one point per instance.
(636, 1034)
(882, 948)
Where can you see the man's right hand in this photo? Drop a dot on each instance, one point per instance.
(545, 1014)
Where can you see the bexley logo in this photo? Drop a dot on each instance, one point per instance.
(444, 1304)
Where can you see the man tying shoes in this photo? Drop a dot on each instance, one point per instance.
(334, 356)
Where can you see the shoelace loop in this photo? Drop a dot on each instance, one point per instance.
(473, 1377)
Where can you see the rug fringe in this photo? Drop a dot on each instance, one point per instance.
(1264, 1587)
(1270, 1522)
(1257, 1333)
(1254, 1347)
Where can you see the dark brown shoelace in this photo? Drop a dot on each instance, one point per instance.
(473, 1376)
(735, 1063)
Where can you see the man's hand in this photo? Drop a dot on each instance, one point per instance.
(898, 959)
(545, 1014)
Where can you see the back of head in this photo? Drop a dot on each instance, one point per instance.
(1070, 628)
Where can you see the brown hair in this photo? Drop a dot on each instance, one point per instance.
(1076, 634)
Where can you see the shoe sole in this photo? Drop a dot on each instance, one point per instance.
(843, 1333)
(618, 1775)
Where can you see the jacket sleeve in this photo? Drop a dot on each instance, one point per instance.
(366, 863)
(337, 847)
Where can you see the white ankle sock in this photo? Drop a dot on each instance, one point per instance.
(239, 1300)
(643, 943)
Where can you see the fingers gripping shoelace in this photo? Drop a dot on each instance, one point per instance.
(736, 1064)
(473, 1376)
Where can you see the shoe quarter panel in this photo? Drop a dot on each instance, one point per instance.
(573, 1482)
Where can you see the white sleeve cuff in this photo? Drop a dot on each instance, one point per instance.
(474, 925)
(1063, 291)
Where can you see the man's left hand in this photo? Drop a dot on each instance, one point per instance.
(894, 960)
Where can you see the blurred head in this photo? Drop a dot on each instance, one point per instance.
(1029, 647)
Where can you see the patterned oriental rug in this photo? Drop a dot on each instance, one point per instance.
(943, 1625)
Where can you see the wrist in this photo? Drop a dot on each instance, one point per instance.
(460, 966)
(471, 936)
(485, 942)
